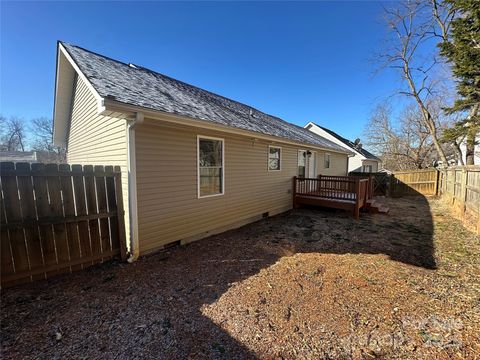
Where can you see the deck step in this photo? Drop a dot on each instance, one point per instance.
(376, 207)
(383, 210)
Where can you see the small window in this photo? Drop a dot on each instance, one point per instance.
(326, 163)
(210, 166)
(302, 155)
(274, 158)
(367, 168)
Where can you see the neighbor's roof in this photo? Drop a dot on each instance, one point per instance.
(350, 144)
(142, 87)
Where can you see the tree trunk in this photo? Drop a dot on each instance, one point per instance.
(472, 136)
(470, 151)
(456, 145)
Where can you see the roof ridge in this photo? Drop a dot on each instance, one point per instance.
(141, 67)
(126, 82)
(348, 142)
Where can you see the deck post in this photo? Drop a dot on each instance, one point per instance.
(371, 187)
(356, 210)
(294, 192)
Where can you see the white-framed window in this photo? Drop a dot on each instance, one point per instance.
(367, 168)
(326, 161)
(302, 161)
(210, 166)
(274, 158)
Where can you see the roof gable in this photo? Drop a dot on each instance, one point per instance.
(141, 87)
(367, 154)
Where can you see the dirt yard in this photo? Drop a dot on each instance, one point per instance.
(309, 284)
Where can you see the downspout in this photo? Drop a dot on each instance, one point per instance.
(132, 187)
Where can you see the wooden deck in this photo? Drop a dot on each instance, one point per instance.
(339, 192)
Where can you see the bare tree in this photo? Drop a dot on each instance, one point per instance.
(13, 134)
(405, 146)
(42, 132)
(414, 25)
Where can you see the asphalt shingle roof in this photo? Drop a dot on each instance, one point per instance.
(350, 144)
(145, 88)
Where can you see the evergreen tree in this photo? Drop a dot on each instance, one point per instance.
(462, 50)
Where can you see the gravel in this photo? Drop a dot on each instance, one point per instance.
(306, 284)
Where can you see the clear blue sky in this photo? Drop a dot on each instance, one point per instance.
(300, 61)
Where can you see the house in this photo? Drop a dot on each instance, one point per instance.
(193, 163)
(362, 161)
(19, 156)
(476, 155)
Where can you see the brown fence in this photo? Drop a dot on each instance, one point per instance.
(381, 181)
(57, 218)
(415, 182)
(460, 188)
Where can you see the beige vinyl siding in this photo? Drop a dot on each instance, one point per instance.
(168, 206)
(95, 139)
(338, 164)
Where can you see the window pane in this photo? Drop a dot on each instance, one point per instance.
(301, 163)
(327, 161)
(274, 153)
(210, 181)
(210, 152)
(274, 164)
(301, 171)
(274, 158)
(301, 158)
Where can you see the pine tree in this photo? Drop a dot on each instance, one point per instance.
(462, 50)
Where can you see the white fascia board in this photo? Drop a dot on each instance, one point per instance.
(66, 72)
(100, 100)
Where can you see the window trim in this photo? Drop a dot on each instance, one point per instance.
(268, 158)
(325, 160)
(198, 165)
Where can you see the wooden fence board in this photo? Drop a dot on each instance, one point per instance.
(56, 210)
(13, 213)
(58, 219)
(102, 208)
(6, 265)
(83, 230)
(43, 210)
(91, 198)
(69, 211)
(415, 182)
(112, 206)
(29, 215)
(461, 190)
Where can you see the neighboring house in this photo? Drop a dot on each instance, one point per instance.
(362, 161)
(463, 149)
(19, 156)
(193, 163)
(37, 156)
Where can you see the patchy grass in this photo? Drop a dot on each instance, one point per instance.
(306, 284)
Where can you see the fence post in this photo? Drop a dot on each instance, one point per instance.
(463, 191)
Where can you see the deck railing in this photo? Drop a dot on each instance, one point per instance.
(354, 190)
